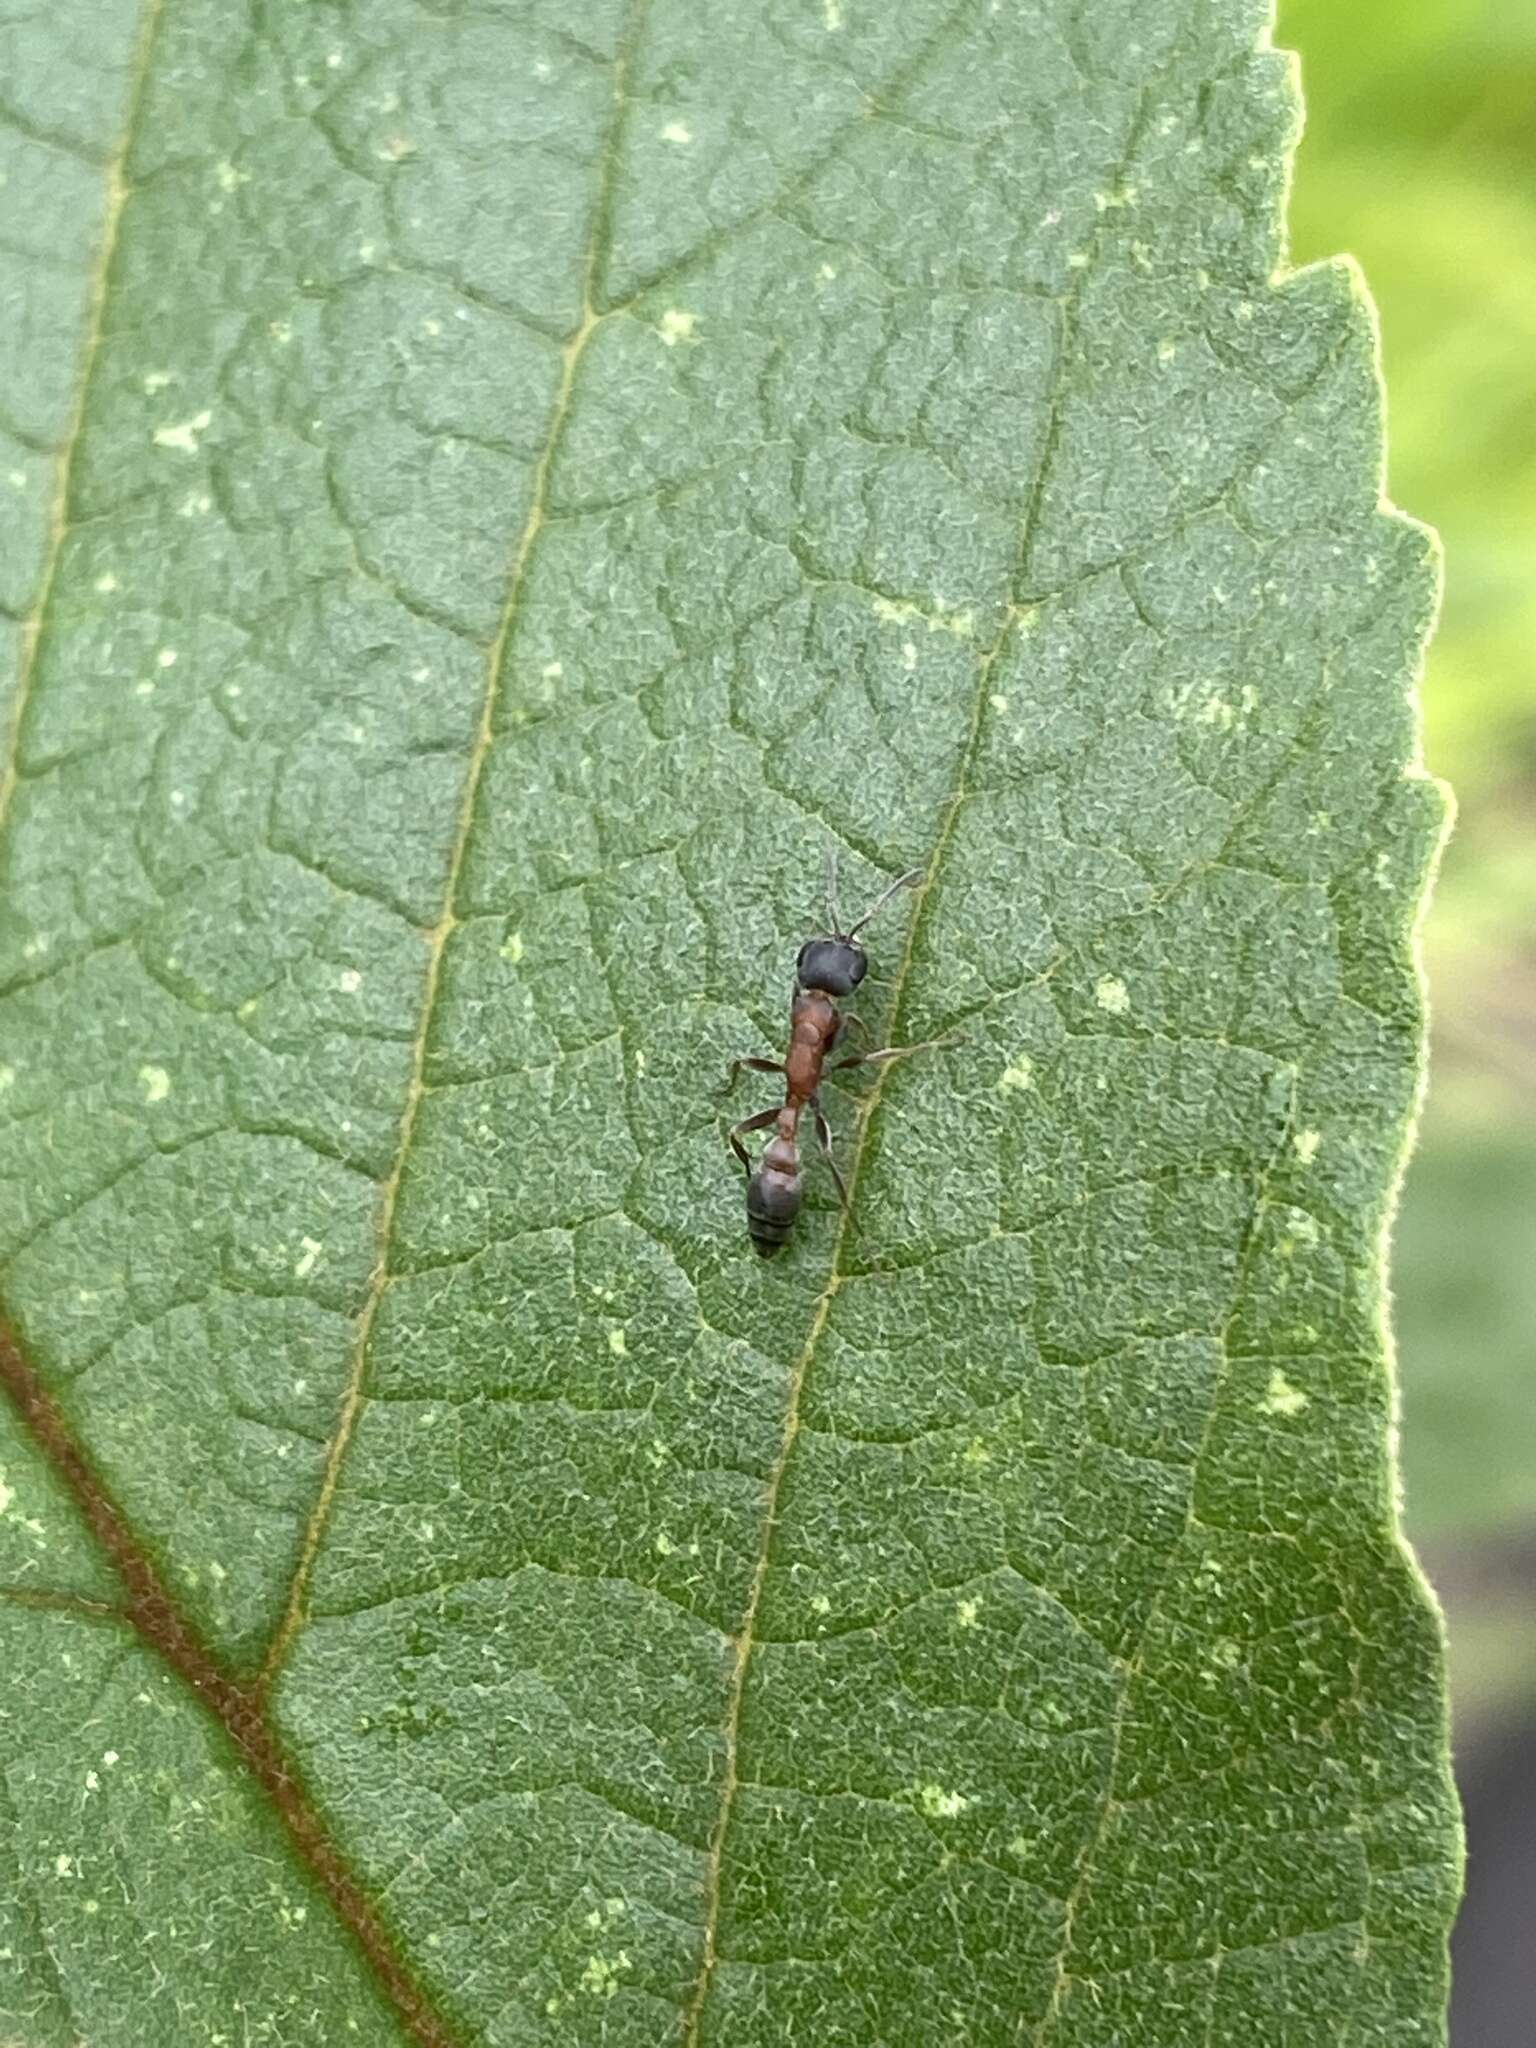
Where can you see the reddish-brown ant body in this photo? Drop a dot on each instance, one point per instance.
(828, 970)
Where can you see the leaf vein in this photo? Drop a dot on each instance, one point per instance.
(969, 753)
(116, 195)
(353, 1396)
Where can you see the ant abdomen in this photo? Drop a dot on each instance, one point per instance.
(773, 1197)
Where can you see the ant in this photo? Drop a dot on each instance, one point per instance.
(829, 968)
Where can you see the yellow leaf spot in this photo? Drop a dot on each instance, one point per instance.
(676, 326)
(939, 1804)
(1282, 1398)
(602, 1973)
(184, 436)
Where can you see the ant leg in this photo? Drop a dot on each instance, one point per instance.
(894, 1052)
(853, 1017)
(759, 1122)
(824, 1139)
(753, 1066)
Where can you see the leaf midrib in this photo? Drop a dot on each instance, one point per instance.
(156, 1617)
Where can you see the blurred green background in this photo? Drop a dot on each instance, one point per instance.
(1420, 159)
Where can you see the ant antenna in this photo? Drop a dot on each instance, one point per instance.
(836, 923)
(909, 880)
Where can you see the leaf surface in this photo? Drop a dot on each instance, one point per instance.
(494, 501)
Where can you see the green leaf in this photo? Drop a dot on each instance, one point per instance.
(499, 499)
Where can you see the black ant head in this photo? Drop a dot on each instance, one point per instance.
(835, 965)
